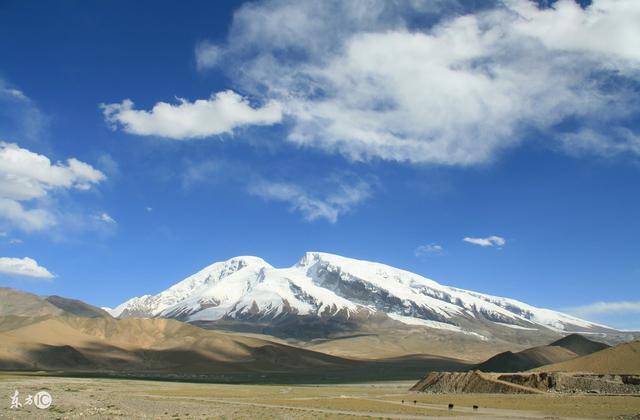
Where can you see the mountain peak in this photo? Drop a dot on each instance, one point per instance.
(234, 264)
(325, 286)
(311, 257)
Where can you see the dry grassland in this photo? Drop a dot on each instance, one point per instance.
(115, 398)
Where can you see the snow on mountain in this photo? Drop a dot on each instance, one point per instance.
(424, 298)
(329, 286)
(193, 286)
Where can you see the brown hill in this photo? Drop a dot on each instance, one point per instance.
(579, 344)
(621, 359)
(17, 303)
(161, 347)
(566, 348)
(147, 344)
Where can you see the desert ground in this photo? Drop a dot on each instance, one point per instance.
(120, 398)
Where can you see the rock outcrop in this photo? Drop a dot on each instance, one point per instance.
(527, 383)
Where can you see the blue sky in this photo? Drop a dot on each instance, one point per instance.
(143, 141)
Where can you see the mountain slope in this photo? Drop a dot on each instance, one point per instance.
(17, 303)
(579, 345)
(76, 307)
(344, 294)
(107, 343)
(621, 359)
(161, 347)
(566, 348)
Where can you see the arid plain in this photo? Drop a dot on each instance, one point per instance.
(116, 398)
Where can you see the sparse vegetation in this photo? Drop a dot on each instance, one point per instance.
(95, 397)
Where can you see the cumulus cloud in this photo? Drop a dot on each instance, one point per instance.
(606, 27)
(24, 218)
(429, 249)
(23, 267)
(219, 114)
(605, 308)
(398, 81)
(340, 200)
(26, 175)
(488, 241)
(27, 178)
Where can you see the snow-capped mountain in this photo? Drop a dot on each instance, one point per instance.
(329, 287)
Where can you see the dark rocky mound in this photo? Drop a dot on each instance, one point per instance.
(468, 382)
(580, 345)
(566, 348)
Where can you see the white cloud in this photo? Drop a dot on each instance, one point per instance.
(488, 241)
(605, 308)
(362, 79)
(149, 209)
(17, 94)
(219, 114)
(24, 267)
(27, 178)
(104, 217)
(608, 27)
(207, 55)
(26, 219)
(589, 141)
(429, 249)
(329, 196)
(314, 206)
(19, 116)
(26, 175)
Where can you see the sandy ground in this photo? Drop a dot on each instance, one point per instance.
(113, 398)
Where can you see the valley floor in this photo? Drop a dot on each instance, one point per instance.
(112, 398)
